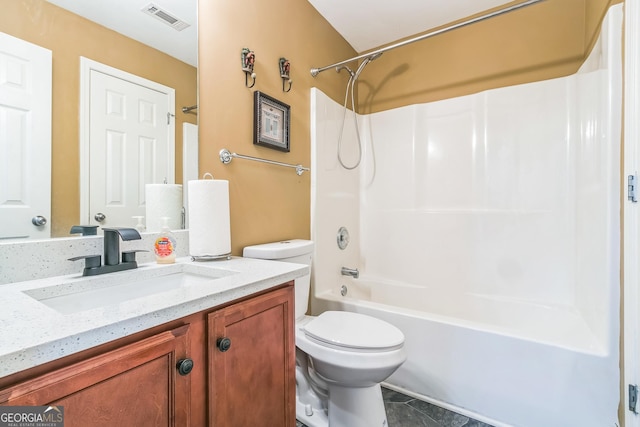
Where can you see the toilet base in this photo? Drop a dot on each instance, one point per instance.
(348, 407)
(356, 407)
(311, 394)
(310, 417)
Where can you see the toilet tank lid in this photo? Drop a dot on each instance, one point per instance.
(354, 330)
(279, 250)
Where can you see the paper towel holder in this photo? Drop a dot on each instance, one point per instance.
(226, 156)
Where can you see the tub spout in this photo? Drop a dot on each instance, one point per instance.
(353, 272)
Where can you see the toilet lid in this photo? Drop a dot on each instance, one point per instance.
(354, 330)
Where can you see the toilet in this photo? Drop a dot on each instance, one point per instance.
(341, 357)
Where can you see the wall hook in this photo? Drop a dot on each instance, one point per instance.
(248, 61)
(285, 70)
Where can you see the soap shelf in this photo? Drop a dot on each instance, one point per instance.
(226, 156)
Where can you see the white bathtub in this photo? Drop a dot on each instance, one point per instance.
(507, 363)
(487, 228)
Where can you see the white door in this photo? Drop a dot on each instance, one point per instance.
(25, 139)
(189, 163)
(130, 144)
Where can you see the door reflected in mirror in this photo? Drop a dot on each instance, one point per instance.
(69, 37)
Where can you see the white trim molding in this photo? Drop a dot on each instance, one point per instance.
(631, 211)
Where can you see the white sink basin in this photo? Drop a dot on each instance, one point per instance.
(80, 294)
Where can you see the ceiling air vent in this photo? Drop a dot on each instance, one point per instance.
(164, 16)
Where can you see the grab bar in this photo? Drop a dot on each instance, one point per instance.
(226, 156)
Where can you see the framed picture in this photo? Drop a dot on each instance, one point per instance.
(271, 122)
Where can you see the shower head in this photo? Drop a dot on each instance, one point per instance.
(355, 75)
(365, 62)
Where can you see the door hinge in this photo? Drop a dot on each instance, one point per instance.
(169, 115)
(632, 188)
(633, 397)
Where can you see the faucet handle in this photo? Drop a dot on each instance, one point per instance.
(86, 230)
(90, 262)
(130, 256)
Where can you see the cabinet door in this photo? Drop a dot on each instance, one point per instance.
(136, 385)
(252, 383)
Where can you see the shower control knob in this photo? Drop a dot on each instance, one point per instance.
(343, 238)
(184, 366)
(223, 344)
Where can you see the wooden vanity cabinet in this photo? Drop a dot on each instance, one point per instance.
(135, 385)
(252, 362)
(136, 380)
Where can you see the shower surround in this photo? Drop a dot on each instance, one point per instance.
(487, 228)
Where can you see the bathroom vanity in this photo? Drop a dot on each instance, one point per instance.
(218, 352)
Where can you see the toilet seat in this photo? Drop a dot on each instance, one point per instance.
(353, 331)
(349, 366)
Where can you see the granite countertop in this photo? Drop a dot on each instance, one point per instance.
(34, 333)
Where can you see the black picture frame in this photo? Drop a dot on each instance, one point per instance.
(271, 119)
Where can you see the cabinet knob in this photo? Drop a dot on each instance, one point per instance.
(223, 344)
(184, 366)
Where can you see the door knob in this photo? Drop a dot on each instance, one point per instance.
(100, 217)
(223, 344)
(39, 220)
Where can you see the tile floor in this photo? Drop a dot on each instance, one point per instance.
(405, 411)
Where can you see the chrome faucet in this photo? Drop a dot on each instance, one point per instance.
(113, 259)
(353, 272)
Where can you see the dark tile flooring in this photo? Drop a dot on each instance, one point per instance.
(405, 411)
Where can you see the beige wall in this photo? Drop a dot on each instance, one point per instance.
(271, 203)
(543, 41)
(546, 40)
(69, 36)
(267, 202)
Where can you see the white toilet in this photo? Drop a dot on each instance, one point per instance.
(341, 357)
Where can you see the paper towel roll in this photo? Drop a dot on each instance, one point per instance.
(209, 218)
(163, 200)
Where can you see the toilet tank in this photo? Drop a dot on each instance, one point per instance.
(296, 251)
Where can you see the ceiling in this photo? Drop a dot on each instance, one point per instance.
(365, 24)
(126, 17)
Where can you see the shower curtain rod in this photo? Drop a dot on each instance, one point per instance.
(316, 71)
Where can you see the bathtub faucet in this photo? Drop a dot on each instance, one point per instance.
(353, 272)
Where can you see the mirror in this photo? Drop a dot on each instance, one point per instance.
(141, 43)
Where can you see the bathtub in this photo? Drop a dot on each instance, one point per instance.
(487, 228)
(503, 362)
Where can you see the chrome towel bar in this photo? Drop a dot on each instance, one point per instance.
(226, 156)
